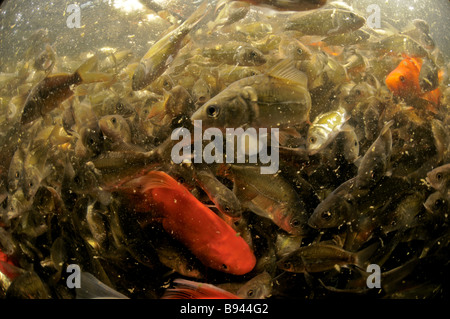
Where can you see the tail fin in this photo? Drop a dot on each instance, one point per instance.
(92, 77)
(187, 289)
(92, 288)
(362, 257)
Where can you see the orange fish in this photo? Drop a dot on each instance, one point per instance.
(7, 267)
(187, 219)
(403, 81)
(187, 289)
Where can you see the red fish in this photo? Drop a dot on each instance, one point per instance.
(403, 81)
(187, 219)
(7, 267)
(187, 289)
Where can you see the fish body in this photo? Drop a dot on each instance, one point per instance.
(205, 234)
(279, 98)
(49, 93)
(439, 178)
(324, 128)
(270, 197)
(374, 163)
(322, 257)
(155, 61)
(337, 208)
(285, 5)
(235, 53)
(403, 81)
(325, 22)
(223, 197)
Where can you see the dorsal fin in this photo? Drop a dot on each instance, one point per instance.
(286, 70)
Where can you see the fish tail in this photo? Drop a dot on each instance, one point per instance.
(197, 16)
(82, 74)
(187, 289)
(362, 257)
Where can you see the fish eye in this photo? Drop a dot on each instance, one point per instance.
(312, 139)
(287, 265)
(401, 78)
(299, 51)
(253, 54)
(438, 176)
(357, 92)
(326, 215)
(227, 208)
(225, 267)
(180, 180)
(91, 141)
(250, 293)
(438, 203)
(113, 120)
(295, 222)
(213, 110)
(17, 175)
(119, 106)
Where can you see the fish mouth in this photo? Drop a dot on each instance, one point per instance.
(197, 116)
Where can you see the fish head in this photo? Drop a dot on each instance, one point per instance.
(249, 56)
(115, 127)
(436, 203)
(228, 203)
(316, 139)
(333, 211)
(259, 287)
(403, 81)
(438, 176)
(292, 262)
(93, 139)
(351, 20)
(232, 256)
(227, 109)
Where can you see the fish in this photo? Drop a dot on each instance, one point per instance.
(259, 287)
(403, 81)
(207, 236)
(325, 22)
(321, 257)
(428, 75)
(156, 60)
(439, 179)
(405, 214)
(49, 93)
(400, 44)
(188, 289)
(278, 98)
(347, 144)
(224, 198)
(92, 288)
(437, 203)
(287, 5)
(232, 12)
(234, 53)
(324, 129)
(228, 74)
(291, 48)
(375, 162)
(270, 196)
(344, 39)
(337, 208)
